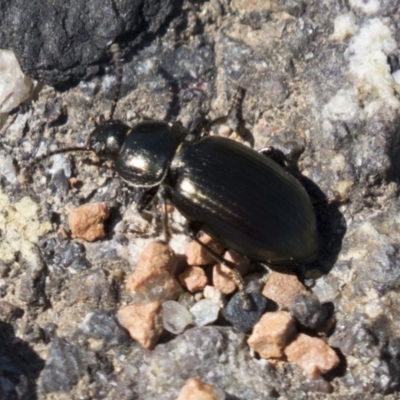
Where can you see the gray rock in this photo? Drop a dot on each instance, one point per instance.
(68, 40)
(103, 324)
(242, 319)
(321, 85)
(63, 367)
(211, 354)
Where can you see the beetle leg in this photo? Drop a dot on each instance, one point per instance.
(275, 154)
(235, 106)
(164, 215)
(201, 126)
(144, 201)
(146, 198)
(192, 230)
(235, 273)
(117, 59)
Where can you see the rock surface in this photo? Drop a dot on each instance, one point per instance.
(322, 85)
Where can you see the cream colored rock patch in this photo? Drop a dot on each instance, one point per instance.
(20, 227)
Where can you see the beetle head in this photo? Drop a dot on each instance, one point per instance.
(107, 139)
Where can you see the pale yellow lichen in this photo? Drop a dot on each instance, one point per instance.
(20, 227)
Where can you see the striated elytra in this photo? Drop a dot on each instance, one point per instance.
(242, 198)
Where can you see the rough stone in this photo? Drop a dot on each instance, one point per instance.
(272, 333)
(197, 255)
(204, 312)
(10, 312)
(87, 221)
(15, 87)
(213, 294)
(312, 354)
(242, 319)
(195, 389)
(144, 322)
(103, 325)
(194, 279)
(78, 35)
(63, 367)
(176, 317)
(308, 310)
(283, 288)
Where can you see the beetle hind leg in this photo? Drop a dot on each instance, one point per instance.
(192, 231)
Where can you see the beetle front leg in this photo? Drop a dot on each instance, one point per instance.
(164, 215)
(274, 154)
(192, 230)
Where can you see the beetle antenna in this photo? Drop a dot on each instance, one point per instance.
(117, 59)
(40, 159)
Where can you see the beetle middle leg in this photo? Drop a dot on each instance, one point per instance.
(201, 126)
(192, 230)
(144, 201)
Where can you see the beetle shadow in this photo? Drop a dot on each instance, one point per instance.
(331, 228)
(20, 366)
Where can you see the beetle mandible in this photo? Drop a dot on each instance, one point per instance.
(240, 197)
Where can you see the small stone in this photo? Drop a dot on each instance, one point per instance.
(152, 280)
(254, 282)
(205, 312)
(157, 255)
(64, 366)
(308, 311)
(195, 389)
(213, 294)
(103, 325)
(312, 354)
(271, 334)
(242, 319)
(283, 288)
(4, 269)
(197, 255)
(72, 256)
(91, 287)
(87, 222)
(176, 317)
(222, 279)
(198, 296)
(15, 87)
(143, 322)
(9, 312)
(194, 279)
(222, 275)
(187, 300)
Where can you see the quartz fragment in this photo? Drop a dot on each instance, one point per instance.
(15, 87)
(175, 317)
(205, 312)
(213, 294)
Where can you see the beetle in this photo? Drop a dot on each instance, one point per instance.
(245, 200)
